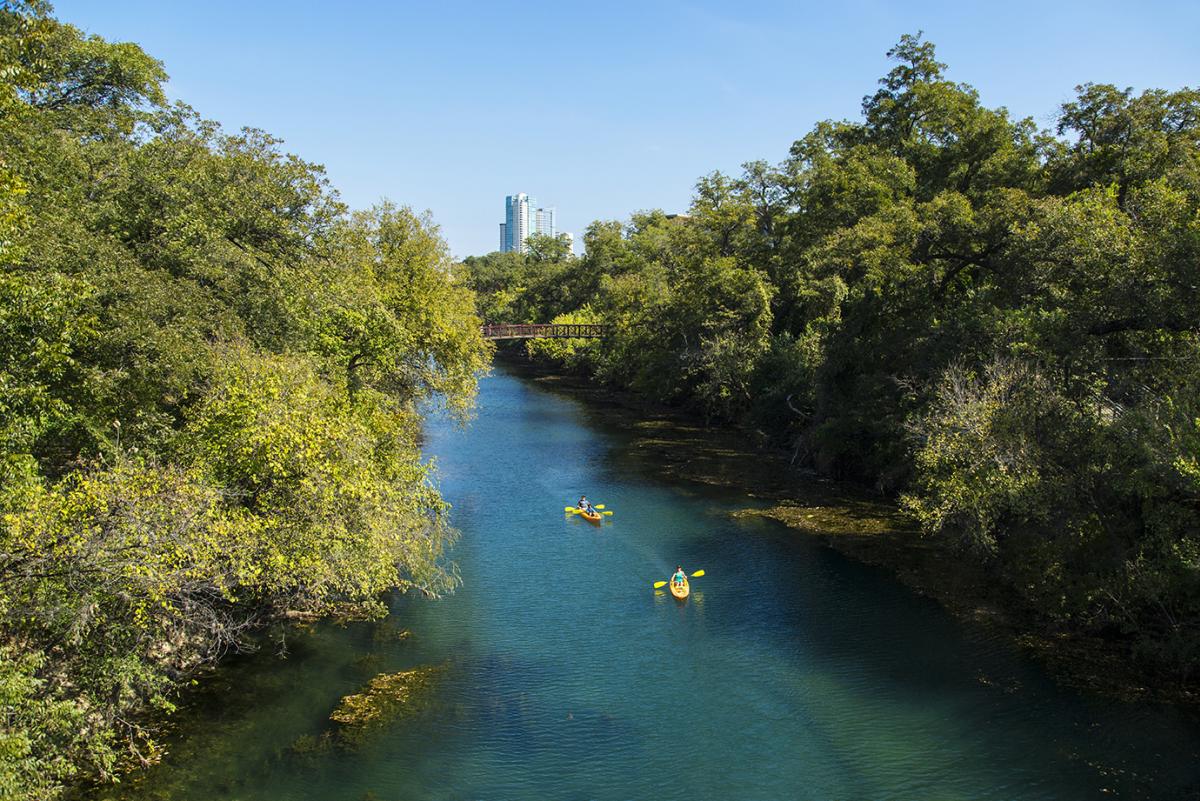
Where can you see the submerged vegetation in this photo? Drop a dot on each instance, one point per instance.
(994, 322)
(209, 379)
(383, 700)
(380, 701)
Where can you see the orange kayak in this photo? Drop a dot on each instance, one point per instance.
(594, 517)
(680, 591)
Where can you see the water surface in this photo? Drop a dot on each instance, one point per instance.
(792, 672)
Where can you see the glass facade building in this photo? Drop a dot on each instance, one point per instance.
(545, 222)
(522, 218)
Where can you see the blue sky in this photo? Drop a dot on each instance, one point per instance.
(604, 108)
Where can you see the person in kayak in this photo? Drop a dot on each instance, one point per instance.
(679, 576)
(585, 504)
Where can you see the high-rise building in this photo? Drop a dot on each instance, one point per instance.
(520, 220)
(546, 223)
(523, 218)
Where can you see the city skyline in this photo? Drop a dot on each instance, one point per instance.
(523, 217)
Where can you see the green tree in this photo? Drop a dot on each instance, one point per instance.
(941, 300)
(210, 377)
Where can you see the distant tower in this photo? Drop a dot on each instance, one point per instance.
(519, 222)
(546, 223)
(523, 218)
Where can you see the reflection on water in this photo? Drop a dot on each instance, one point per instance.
(790, 672)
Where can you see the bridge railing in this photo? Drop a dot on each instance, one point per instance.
(544, 331)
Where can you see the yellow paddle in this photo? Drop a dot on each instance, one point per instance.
(658, 584)
(598, 506)
(572, 510)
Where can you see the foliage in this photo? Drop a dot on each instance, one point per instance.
(940, 300)
(210, 377)
(576, 354)
(984, 455)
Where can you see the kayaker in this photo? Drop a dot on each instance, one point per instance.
(679, 576)
(585, 504)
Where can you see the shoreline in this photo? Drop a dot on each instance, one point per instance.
(858, 524)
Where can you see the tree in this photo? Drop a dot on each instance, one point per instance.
(210, 377)
(942, 301)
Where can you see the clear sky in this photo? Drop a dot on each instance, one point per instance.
(603, 108)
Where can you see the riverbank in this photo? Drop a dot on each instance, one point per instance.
(857, 523)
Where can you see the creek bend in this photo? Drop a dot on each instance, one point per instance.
(791, 672)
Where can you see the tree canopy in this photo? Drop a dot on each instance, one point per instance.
(210, 382)
(995, 322)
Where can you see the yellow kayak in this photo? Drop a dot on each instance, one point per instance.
(592, 516)
(680, 591)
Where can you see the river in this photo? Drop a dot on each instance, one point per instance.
(792, 672)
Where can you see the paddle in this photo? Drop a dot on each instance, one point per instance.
(598, 506)
(572, 510)
(658, 584)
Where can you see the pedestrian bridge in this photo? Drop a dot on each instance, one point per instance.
(544, 331)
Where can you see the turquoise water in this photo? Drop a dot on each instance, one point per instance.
(790, 673)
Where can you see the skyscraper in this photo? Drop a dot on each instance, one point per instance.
(520, 220)
(545, 222)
